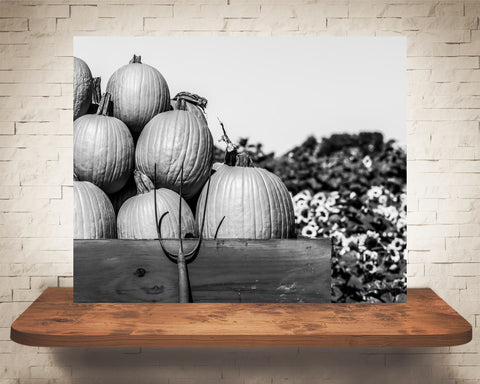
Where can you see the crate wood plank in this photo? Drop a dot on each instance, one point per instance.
(54, 320)
(225, 271)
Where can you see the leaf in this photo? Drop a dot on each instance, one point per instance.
(401, 298)
(387, 297)
(355, 282)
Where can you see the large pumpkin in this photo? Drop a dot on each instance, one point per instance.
(82, 88)
(171, 140)
(103, 149)
(255, 203)
(139, 92)
(136, 218)
(94, 217)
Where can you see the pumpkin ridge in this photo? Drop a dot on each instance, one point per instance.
(207, 148)
(81, 200)
(165, 102)
(147, 82)
(187, 137)
(102, 138)
(255, 209)
(280, 212)
(106, 138)
(120, 153)
(199, 166)
(212, 205)
(145, 208)
(167, 207)
(222, 184)
(201, 203)
(193, 140)
(132, 213)
(95, 171)
(85, 132)
(258, 170)
(184, 134)
(202, 163)
(217, 178)
(92, 170)
(128, 153)
(173, 209)
(107, 205)
(172, 169)
(86, 204)
(281, 200)
(117, 150)
(180, 134)
(162, 155)
(230, 191)
(189, 140)
(288, 207)
(275, 202)
(97, 215)
(243, 200)
(281, 205)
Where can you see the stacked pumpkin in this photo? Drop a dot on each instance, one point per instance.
(138, 134)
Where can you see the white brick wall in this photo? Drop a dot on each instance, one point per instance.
(36, 186)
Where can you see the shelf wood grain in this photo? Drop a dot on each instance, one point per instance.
(54, 320)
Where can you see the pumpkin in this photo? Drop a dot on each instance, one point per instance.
(139, 92)
(255, 203)
(171, 140)
(136, 218)
(103, 149)
(94, 217)
(82, 88)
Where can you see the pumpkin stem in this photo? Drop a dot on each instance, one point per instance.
(104, 104)
(244, 160)
(136, 60)
(96, 90)
(185, 97)
(232, 149)
(143, 183)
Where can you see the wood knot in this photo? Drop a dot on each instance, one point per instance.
(140, 272)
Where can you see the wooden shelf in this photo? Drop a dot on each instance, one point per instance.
(54, 320)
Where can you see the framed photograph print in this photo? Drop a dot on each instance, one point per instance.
(239, 170)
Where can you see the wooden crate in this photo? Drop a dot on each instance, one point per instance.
(225, 271)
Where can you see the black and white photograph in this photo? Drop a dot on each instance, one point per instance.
(240, 169)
